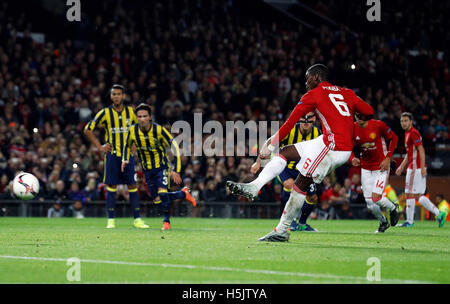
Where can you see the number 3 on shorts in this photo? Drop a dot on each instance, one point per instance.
(165, 178)
(340, 105)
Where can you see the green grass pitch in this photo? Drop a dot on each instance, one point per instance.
(201, 250)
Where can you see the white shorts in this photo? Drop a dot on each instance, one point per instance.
(373, 182)
(415, 183)
(317, 160)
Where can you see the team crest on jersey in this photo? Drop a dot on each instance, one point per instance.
(373, 135)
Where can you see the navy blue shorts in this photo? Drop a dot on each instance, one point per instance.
(287, 174)
(156, 178)
(113, 174)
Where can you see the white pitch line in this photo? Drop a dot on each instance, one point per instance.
(215, 268)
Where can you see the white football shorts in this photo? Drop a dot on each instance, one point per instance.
(373, 182)
(317, 160)
(415, 183)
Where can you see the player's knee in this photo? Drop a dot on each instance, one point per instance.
(132, 188)
(288, 184)
(312, 199)
(375, 197)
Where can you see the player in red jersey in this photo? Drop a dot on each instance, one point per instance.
(335, 107)
(416, 174)
(370, 136)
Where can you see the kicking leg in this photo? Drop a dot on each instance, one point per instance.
(270, 171)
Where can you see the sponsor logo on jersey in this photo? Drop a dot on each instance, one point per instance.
(119, 130)
(368, 146)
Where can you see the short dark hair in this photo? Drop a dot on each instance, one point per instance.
(407, 114)
(119, 87)
(319, 69)
(145, 107)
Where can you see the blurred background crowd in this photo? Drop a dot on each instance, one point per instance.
(229, 60)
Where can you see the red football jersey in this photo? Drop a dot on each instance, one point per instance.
(412, 141)
(335, 107)
(372, 140)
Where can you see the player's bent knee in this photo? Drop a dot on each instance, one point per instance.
(312, 199)
(288, 184)
(132, 188)
(376, 197)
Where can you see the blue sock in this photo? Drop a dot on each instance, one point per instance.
(110, 203)
(306, 211)
(165, 202)
(284, 197)
(134, 202)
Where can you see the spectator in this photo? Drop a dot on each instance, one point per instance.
(55, 211)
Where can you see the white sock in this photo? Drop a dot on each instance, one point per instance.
(428, 205)
(270, 171)
(292, 208)
(375, 209)
(385, 203)
(410, 208)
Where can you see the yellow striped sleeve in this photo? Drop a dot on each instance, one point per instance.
(98, 120)
(133, 118)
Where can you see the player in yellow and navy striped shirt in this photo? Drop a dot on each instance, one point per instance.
(151, 141)
(303, 131)
(115, 120)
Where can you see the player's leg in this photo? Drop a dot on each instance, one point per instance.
(111, 179)
(111, 191)
(162, 181)
(410, 198)
(308, 207)
(368, 184)
(293, 207)
(380, 181)
(287, 188)
(420, 185)
(271, 170)
(130, 178)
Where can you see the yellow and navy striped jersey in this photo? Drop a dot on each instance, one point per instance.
(151, 147)
(116, 126)
(296, 136)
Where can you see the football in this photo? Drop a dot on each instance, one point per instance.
(25, 186)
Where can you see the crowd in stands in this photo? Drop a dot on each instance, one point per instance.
(209, 57)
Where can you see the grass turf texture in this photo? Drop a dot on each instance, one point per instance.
(199, 250)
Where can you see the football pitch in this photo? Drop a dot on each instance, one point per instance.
(225, 251)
